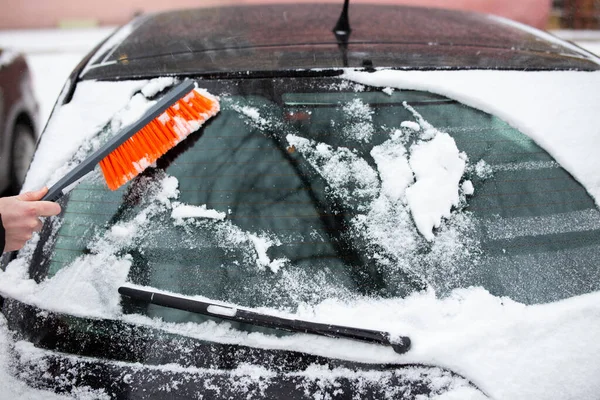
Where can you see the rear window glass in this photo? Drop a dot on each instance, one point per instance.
(299, 192)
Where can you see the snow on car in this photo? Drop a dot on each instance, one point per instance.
(405, 212)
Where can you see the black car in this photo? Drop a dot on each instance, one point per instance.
(377, 211)
(18, 120)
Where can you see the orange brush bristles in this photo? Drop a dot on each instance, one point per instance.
(157, 137)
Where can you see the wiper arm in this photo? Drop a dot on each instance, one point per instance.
(400, 344)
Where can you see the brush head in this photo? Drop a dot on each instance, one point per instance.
(161, 134)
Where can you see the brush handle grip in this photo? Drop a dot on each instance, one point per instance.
(58, 189)
(87, 165)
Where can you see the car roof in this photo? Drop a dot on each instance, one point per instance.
(284, 37)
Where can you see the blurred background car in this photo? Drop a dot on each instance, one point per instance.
(18, 121)
(287, 204)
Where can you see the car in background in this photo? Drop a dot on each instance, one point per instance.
(396, 202)
(18, 121)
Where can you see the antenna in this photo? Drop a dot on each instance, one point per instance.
(342, 32)
(342, 28)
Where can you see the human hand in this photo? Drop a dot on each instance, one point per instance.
(20, 216)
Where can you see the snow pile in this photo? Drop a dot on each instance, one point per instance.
(526, 101)
(253, 113)
(262, 244)
(393, 167)
(250, 247)
(360, 121)
(387, 202)
(438, 167)
(181, 211)
(135, 108)
(483, 170)
(467, 188)
(411, 125)
(388, 90)
(88, 285)
(157, 85)
(388, 197)
(349, 176)
(347, 85)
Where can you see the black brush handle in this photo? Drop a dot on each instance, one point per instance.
(88, 165)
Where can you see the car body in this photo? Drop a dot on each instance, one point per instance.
(18, 119)
(398, 180)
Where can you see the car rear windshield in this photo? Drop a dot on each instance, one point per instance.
(305, 189)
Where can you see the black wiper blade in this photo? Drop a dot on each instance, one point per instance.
(400, 344)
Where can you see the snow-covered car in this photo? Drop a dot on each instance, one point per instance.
(18, 120)
(403, 207)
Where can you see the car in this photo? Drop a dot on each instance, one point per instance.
(392, 202)
(18, 120)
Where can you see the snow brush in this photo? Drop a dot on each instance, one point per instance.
(183, 110)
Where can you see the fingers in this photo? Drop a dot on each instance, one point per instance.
(42, 208)
(20, 216)
(33, 196)
(46, 208)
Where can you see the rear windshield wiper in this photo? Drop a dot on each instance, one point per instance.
(400, 344)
